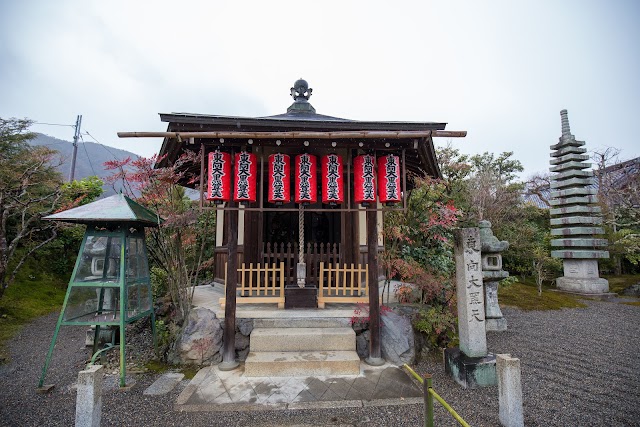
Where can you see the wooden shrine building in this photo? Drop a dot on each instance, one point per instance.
(300, 198)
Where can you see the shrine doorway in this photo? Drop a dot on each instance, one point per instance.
(322, 240)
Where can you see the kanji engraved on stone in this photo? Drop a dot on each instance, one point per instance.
(477, 315)
(475, 282)
(471, 245)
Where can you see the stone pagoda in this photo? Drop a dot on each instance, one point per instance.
(574, 216)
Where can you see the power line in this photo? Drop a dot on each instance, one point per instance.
(52, 124)
(101, 144)
(88, 158)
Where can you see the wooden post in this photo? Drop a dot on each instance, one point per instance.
(229, 351)
(375, 354)
(428, 400)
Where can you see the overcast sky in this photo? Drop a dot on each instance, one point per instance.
(501, 70)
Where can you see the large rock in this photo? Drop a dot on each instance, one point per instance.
(242, 341)
(362, 344)
(396, 341)
(633, 290)
(201, 339)
(245, 326)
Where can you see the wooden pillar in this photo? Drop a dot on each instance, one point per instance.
(375, 353)
(229, 339)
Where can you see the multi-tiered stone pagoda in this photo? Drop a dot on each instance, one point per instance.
(575, 220)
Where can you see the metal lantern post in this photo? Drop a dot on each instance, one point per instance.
(110, 284)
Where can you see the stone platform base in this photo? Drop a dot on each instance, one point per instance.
(496, 325)
(470, 372)
(583, 286)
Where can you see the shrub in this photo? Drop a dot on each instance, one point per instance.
(438, 324)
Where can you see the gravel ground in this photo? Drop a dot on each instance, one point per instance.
(579, 368)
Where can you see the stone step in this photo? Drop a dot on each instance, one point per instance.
(306, 322)
(301, 363)
(302, 339)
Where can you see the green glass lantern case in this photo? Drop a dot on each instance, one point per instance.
(110, 284)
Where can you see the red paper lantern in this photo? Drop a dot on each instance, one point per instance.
(306, 181)
(219, 177)
(332, 179)
(365, 180)
(279, 178)
(246, 172)
(389, 179)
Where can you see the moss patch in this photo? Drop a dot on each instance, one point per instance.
(636, 303)
(159, 367)
(156, 366)
(30, 296)
(190, 371)
(525, 296)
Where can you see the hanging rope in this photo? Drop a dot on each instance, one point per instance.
(301, 235)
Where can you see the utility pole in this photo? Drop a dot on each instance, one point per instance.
(75, 149)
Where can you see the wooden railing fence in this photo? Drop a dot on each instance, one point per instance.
(259, 284)
(346, 284)
(264, 282)
(315, 254)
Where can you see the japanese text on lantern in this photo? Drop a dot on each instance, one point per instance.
(244, 172)
(367, 184)
(392, 178)
(278, 175)
(305, 177)
(217, 172)
(333, 173)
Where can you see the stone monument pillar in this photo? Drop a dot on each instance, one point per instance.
(470, 365)
(574, 219)
(492, 273)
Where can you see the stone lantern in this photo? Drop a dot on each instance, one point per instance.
(492, 274)
(110, 284)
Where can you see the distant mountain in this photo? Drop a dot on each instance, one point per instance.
(89, 160)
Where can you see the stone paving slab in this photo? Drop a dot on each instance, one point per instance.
(164, 384)
(215, 390)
